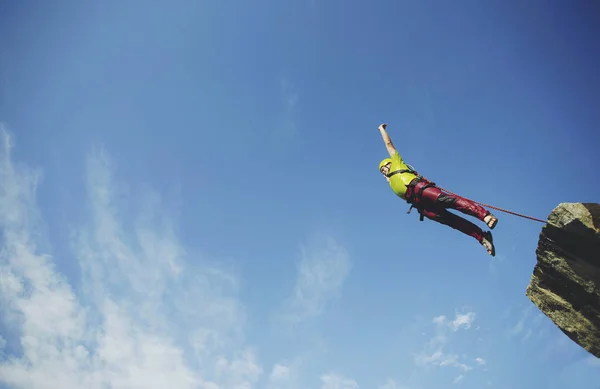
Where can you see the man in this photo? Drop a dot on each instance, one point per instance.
(431, 201)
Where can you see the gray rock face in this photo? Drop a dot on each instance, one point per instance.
(565, 284)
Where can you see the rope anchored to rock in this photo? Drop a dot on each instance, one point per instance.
(482, 204)
(497, 208)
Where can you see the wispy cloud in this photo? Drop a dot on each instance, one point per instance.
(280, 373)
(463, 320)
(323, 268)
(391, 384)
(520, 324)
(440, 320)
(145, 316)
(434, 351)
(336, 381)
(458, 379)
(285, 376)
(529, 325)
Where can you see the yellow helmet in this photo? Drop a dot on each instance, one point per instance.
(384, 162)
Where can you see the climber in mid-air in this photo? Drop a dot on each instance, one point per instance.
(431, 201)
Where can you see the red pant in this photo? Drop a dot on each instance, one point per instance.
(434, 204)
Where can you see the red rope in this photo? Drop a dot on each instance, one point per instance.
(499, 209)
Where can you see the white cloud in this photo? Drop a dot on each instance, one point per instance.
(428, 359)
(434, 351)
(452, 360)
(390, 384)
(286, 375)
(449, 360)
(480, 361)
(336, 381)
(530, 326)
(322, 270)
(145, 315)
(283, 377)
(520, 325)
(458, 379)
(463, 320)
(279, 373)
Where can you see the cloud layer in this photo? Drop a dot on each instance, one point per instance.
(145, 315)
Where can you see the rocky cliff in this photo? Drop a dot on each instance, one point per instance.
(565, 284)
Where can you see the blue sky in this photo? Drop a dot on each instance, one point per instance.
(191, 195)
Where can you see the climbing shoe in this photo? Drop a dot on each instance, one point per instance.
(488, 243)
(490, 220)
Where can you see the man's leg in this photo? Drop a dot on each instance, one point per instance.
(468, 207)
(443, 216)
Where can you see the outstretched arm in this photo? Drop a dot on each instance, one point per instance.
(388, 141)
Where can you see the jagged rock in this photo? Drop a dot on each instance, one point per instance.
(565, 284)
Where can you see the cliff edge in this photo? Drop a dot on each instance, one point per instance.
(565, 284)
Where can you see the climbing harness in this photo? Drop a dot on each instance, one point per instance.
(417, 198)
(400, 172)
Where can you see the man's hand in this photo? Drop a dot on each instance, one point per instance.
(382, 126)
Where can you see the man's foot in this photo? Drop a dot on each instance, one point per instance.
(490, 220)
(488, 243)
